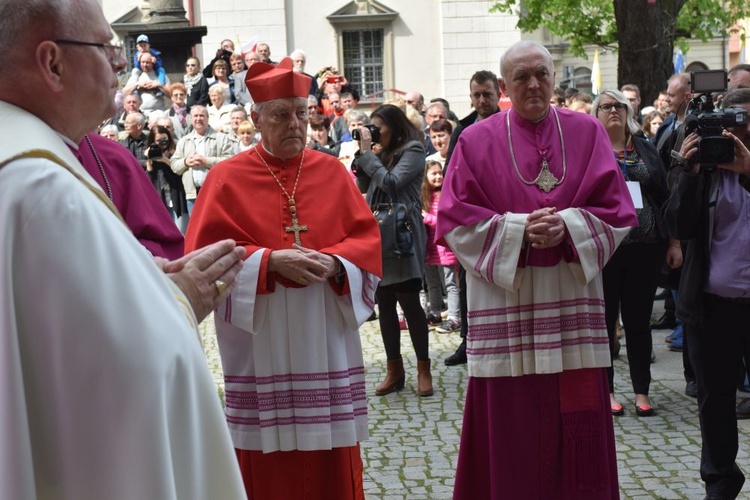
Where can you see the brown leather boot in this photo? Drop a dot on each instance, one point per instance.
(424, 378)
(394, 378)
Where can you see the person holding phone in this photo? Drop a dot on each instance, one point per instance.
(330, 82)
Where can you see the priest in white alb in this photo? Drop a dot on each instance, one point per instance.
(288, 335)
(104, 392)
(533, 206)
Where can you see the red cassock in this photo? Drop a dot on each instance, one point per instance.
(240, 199)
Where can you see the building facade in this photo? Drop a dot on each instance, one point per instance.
(382, 46)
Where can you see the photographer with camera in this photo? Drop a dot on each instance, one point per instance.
(707, 210)
(160, 148)
(394, 177)
(224, 53)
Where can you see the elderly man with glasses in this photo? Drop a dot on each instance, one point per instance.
(105, 391)
(288, 336)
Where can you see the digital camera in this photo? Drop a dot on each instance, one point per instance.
(374, 132)
(154, 151)
(703, 117)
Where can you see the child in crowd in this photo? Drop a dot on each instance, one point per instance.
(143, 45)
(441, 265)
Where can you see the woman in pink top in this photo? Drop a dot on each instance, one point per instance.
(440, 264)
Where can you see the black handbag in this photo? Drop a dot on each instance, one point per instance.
(396, 238)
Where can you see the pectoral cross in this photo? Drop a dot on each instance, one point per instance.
(295, 227)
(546, 180)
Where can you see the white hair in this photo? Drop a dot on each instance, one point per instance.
(258, 106)
(199, 107)
(154, 116)
(111, 128)
(631, 123)
(138, 117)
(298, 52)
(217, 87)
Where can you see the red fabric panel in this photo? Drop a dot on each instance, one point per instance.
(303, 475)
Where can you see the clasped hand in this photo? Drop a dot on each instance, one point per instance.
(196, 161)
(303, 265)
(544, 228)
(196, 274)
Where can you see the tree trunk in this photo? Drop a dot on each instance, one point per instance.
(645, 30)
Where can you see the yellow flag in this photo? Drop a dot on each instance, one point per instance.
(596, 75)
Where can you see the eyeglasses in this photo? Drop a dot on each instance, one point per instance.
(113, 51)
(618, 106)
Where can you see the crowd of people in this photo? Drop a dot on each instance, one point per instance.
(250, 188)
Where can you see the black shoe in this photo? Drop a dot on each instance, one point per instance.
(458, 357)
(666, 322)
(662, 295)
(691, 389)
(743, 409)
(373, 316)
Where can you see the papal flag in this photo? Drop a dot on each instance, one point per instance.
(249, 46)
(596, 75)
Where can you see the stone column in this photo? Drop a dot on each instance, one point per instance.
(167, 11)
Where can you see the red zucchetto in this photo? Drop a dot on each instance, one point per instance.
(266, 81)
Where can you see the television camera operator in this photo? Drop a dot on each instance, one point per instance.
(708, 210)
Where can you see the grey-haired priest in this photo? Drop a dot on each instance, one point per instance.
(534, 205)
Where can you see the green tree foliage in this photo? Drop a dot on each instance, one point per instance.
(643, 32)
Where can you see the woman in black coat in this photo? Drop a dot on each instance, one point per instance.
(394, 174)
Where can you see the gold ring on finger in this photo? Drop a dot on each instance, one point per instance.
(302, 281)
(220, 286)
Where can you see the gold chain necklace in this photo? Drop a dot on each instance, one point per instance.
(546, 180)
(295, 227)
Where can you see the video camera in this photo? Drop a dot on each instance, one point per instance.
(703, 117)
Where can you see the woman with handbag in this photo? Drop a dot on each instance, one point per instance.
(392, 180)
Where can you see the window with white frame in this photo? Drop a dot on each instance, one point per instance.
(364, 62)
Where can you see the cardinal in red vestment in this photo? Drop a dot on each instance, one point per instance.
(288, 333)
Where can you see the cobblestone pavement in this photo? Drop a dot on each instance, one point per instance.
(413, 445)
